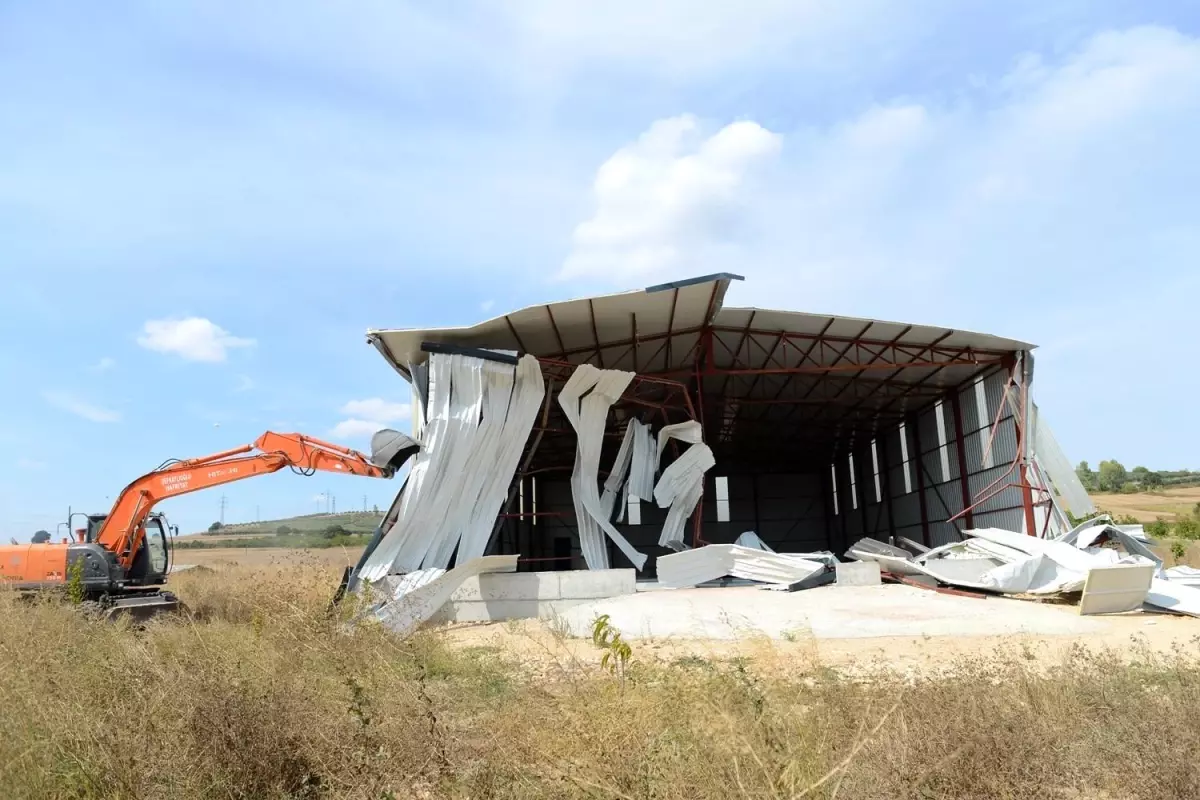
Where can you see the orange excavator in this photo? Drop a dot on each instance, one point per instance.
(121, 560)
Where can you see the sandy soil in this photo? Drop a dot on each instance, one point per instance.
(543, 649)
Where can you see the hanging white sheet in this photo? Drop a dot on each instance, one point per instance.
(586, 400)
(680, 488)
(478, 417)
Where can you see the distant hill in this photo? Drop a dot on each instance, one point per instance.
(351, 521)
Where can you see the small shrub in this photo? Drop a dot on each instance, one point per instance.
(1158, 529)
(1187, 528)
(1178, 550)
(284, 530)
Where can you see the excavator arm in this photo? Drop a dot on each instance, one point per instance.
(122, 530)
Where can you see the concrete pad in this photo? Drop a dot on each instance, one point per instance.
(528, 595)
(858, 573)
(827, 612)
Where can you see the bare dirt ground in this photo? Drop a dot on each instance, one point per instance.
(542, 648)
(1148, 506)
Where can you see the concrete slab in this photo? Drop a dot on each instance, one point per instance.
(858, 573)
(527, 595)
(827, 612)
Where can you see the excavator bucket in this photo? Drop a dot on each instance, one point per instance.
(390, 449)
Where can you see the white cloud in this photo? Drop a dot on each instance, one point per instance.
(68, 402)
(193, 339)
(1068, 170)
(671, 200)
(365, 417)
(30, 465)
(103, 365)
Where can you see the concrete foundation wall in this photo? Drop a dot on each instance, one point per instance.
(526, 595)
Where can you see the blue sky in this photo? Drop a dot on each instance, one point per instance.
(203, 206)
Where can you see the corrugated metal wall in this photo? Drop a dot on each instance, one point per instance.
(919, 472)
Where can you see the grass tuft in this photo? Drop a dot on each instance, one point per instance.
(262, 694)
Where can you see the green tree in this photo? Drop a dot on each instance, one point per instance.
(1112, 476)
(1153, 481)
(216, 526)
(283, 530)
(41, 537)
(1086, 476)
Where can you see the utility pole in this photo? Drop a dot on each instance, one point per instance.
(364, 504)
(333, 500)
(224, 503)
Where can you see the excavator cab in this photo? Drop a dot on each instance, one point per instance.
(152, 561)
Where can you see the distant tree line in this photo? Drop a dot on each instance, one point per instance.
(1113, 477)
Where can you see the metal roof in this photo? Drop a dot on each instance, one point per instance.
(755, 367)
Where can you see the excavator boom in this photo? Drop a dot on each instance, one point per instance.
(115, 567)
(120, 533)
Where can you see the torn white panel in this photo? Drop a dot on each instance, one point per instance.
(426, 482)
(751, 539)
(405, 612)
(644, 462)
(527, 392)
(689, 432)
(1037, 574)
(1183, 574)
(1059, 469)
(616, 475)
(491, 383)
(586, 399)
(1177, 597)
(703, 564)
(478, 418)
(680, 488)
(1116, 589)
(1093, 539)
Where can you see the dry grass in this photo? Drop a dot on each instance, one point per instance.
(260, 696)
(1149, 506)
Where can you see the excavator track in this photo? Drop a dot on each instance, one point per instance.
(137, 607)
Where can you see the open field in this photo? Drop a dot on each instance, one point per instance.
(352, 521)
(261, 694)
(279, 560)
(1148, 506)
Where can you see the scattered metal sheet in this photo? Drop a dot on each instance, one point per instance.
(909, 544)
(890, 559)
(916, 582)
(751, 539)
(1116, 589)
(421, 594)
(1176, 597)
(1183, 574)
(708, 563)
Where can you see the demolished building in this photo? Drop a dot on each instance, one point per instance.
(608, 431)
